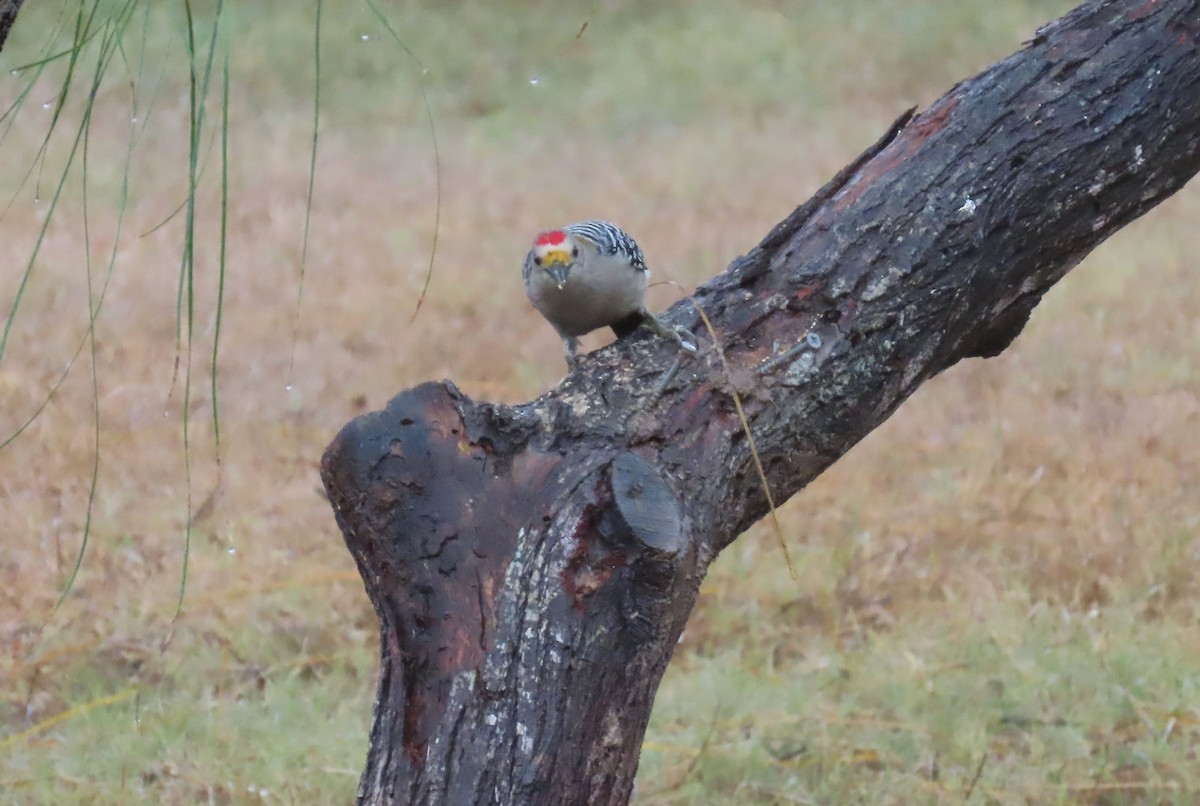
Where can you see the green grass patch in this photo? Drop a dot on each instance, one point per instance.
(1030, 703)
(243, 713)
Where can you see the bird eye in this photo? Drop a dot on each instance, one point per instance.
(575, 251)
(537, 261)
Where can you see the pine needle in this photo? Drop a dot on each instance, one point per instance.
(741, 413)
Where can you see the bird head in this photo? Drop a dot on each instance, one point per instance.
(555, 252)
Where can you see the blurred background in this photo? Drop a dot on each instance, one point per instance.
(996, 592)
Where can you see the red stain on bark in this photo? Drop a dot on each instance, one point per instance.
(571, 569)
(1144, 10)
(1187, 30)
(910, 139)
(414, 747)
(590, 565)
(931, 121)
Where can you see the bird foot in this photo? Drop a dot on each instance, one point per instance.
(687, 342)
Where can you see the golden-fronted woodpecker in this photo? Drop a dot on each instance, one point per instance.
(591, 275)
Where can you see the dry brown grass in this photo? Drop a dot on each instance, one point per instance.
(1024, 531)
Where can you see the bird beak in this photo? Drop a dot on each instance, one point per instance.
(559, 273)
(557, 266)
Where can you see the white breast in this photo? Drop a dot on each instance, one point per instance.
(600, 291)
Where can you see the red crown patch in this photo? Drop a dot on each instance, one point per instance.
(552, 238)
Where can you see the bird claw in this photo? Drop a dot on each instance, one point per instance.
(687, 340)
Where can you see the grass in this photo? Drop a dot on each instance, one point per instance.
(997, 589)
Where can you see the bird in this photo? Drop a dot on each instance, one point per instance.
(590, 275)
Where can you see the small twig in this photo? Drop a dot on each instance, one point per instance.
(737, 404)
(667, 377)
(741, 413)
(695, 762)
(977, 776)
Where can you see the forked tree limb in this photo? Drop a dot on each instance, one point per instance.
(533, 566)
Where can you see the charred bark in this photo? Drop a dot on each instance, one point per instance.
(533, 566)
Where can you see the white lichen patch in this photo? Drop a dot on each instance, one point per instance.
(840, 287)
(918, 364)
(612, 730)
(800, 371)
(881, 284)
(579, 404)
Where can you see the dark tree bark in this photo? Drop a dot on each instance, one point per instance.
(533, 566)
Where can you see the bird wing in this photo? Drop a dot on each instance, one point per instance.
(610, 239)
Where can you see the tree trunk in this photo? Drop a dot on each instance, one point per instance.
(533, 566)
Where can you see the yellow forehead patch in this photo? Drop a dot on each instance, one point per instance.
(552, 256)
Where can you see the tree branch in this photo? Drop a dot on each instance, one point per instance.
(533, 566)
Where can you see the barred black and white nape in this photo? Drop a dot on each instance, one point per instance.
(610, 239)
